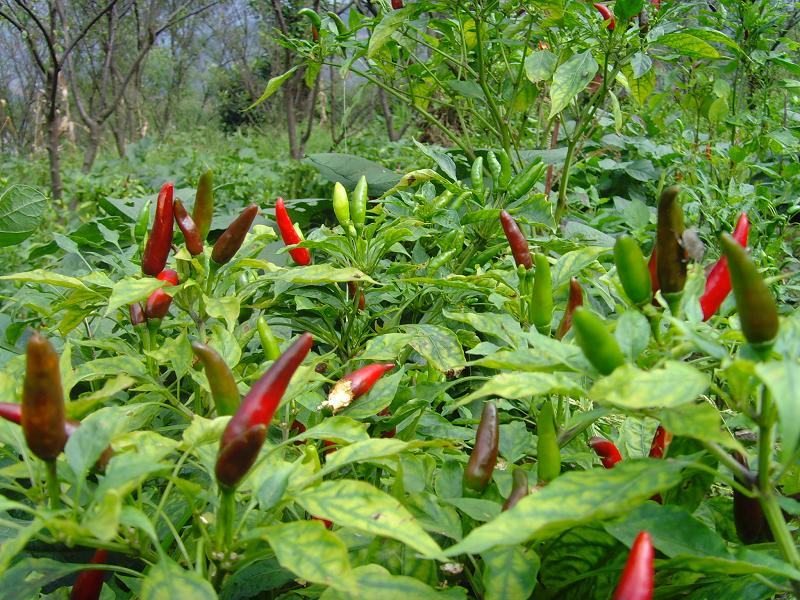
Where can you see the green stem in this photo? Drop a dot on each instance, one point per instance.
(53, 487)
(225, 513)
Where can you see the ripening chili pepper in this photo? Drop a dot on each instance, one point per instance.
(358, 202)
(718, 282)
(495, 168)
(542, 295)
(519, 488)
(758, 313)
(748, 515)
(232, 238)
(43, 414)
(355, 384)
(660, 443)
(220, 379)
(606, 450)
(505, 169)
(671, 257)
(548, 453)
(159, 243)
(636, 582)
(652, 266)
(632, 270)
(484, 453)
(599, 346)
(203, 210)
(525, 180)
(313, 17)
(245, 432)
(517, 241)
(605, 12)
(159, 301)
(268, 342)
(191, 235)
(397, 4)
(574, 301)
(353, 291)
(341, 204)
(89, 583)
(476, 176)
(290, 235)
(137, 314)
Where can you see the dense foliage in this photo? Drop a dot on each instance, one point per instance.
(518, 356)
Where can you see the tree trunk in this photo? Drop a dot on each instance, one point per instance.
(92, 145)
(56, 187)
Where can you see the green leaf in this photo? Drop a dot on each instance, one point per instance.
(225, 309)
(273, 85)
(540, 66)
(337, 429)
(28, 576)
(570, 79)
(348, 169)
(571, 499)
(130, 290)
(167, 581)
(524, 385)
(13, 546)
(688, 44)
(438, 345)
(625, 9)
(361, 506)
(21, 210)
(373, 581)
(509, 572)
(384, 30)
(782, 379)
(318, 274)
(47, 277)
(631, 388)
(312, 553)
(699, 421)
(640, 87)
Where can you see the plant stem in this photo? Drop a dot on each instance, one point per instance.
(225, 513)
(53, 487)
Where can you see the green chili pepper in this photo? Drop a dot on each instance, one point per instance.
(358, 203)
(440, 261)
(484, 453)
(758, 312)
(495, 168)
(525, 180)
(597, 343)
(268, 342)
(671, 258)
(142, 221)
(505, 169)
(203, 210)
(547, 451)
(341, 204)
(542, 295)
(220, 379)
(476, 175)
(632, 270)
(337, 20)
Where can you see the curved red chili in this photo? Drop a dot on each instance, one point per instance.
(652, 265)
(352, 289)
(661, 441)
(89, 583)
(575, 300)
(718, 282)
(605, 12)
(301, 256)
(159, 242)
(606, 450)
(245, 433)
(158, 302)
(397, 4)
(516, 240)
(356, 384)
(636, 582)
(191, 234)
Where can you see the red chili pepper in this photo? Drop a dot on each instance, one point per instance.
(356, 384)
(656, 3)
(389, 433)
(158, 302)
(159, 243)
(301, 256)
(397, 4)
(606, 450)
(606, 14)
(43, 414)
(137, 314)
(191, 235)
(652, 265)
(519, 489)
(328, 524)
(516, 240)
(661, 441)
(245, 433)
(232, 238)
(89, 583)
(575, 300)
(718, 282)
(636, 582)
(352, 289)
